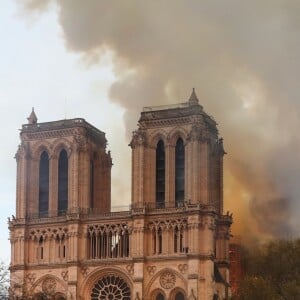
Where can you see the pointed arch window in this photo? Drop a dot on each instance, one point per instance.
(178, 240)
(63, 166)
(44, 184)
(40, 249)
(160, 241)
(160, 174)
(179, 173)
(92, 179)
(160, 296)
(179, 296)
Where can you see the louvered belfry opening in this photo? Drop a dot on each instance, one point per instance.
(179, 173)
(160, 174)
(44, 184)
(63, 182)
(92, 179)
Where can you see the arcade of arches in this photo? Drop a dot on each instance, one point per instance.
(67, 240)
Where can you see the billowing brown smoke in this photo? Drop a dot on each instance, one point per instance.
(243, 59)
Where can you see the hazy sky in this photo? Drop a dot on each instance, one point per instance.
(37, 71)
(105, 60)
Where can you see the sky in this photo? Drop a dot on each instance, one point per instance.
(105, 60)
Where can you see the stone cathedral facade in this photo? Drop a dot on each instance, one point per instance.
(172, 243)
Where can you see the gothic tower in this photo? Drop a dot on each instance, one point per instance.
(177, 157)
(63, 170)
(172, 243)
(177, 163)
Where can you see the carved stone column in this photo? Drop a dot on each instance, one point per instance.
(33, 185)
(203, 180)
(150, 197)
(194, 158)
(84, 181)
(73, 178)
(138, 144)
(21, 159)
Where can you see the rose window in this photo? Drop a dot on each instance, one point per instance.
(111, 287)
(167, 280)
(49, 285)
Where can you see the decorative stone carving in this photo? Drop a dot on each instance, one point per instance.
(151, 270)
(23, 151)
(192, 295)
(111, 287)
(167, 223)
(195, 133)
(30, 278)
(130, 269)
(84, 271)
(138, 138)
(183, 268)
(193, 276)
(167, 280)
(49, 285)
(80, 143)
(48, 233)
(65, 275)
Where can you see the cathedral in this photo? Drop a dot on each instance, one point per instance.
(172, 243)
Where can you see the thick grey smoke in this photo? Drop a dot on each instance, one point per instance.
(243, 58)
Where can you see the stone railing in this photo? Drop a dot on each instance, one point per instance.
(115, 212)
(171, 207)
(77, 122)
(163, 107)
(70, 214)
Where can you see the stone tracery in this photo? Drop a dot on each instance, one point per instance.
(167, 280)
(111, 287)
(108, 241)
(175, 230)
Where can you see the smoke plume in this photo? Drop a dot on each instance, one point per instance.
(243, 58)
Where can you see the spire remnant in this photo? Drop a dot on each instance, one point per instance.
(193, 98)
(32, 119)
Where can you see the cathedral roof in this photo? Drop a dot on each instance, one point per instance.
(65, 127)
(179, 113)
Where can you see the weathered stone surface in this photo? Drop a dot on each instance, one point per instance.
(87, 251)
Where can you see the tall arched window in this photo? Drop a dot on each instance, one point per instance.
(179, 296)
(40, 249)
(178, 240)
(160, 174)
(179, 172)
(160, 296)
(44, 184)
(160, 240)
(63, 182)
(92, 178)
